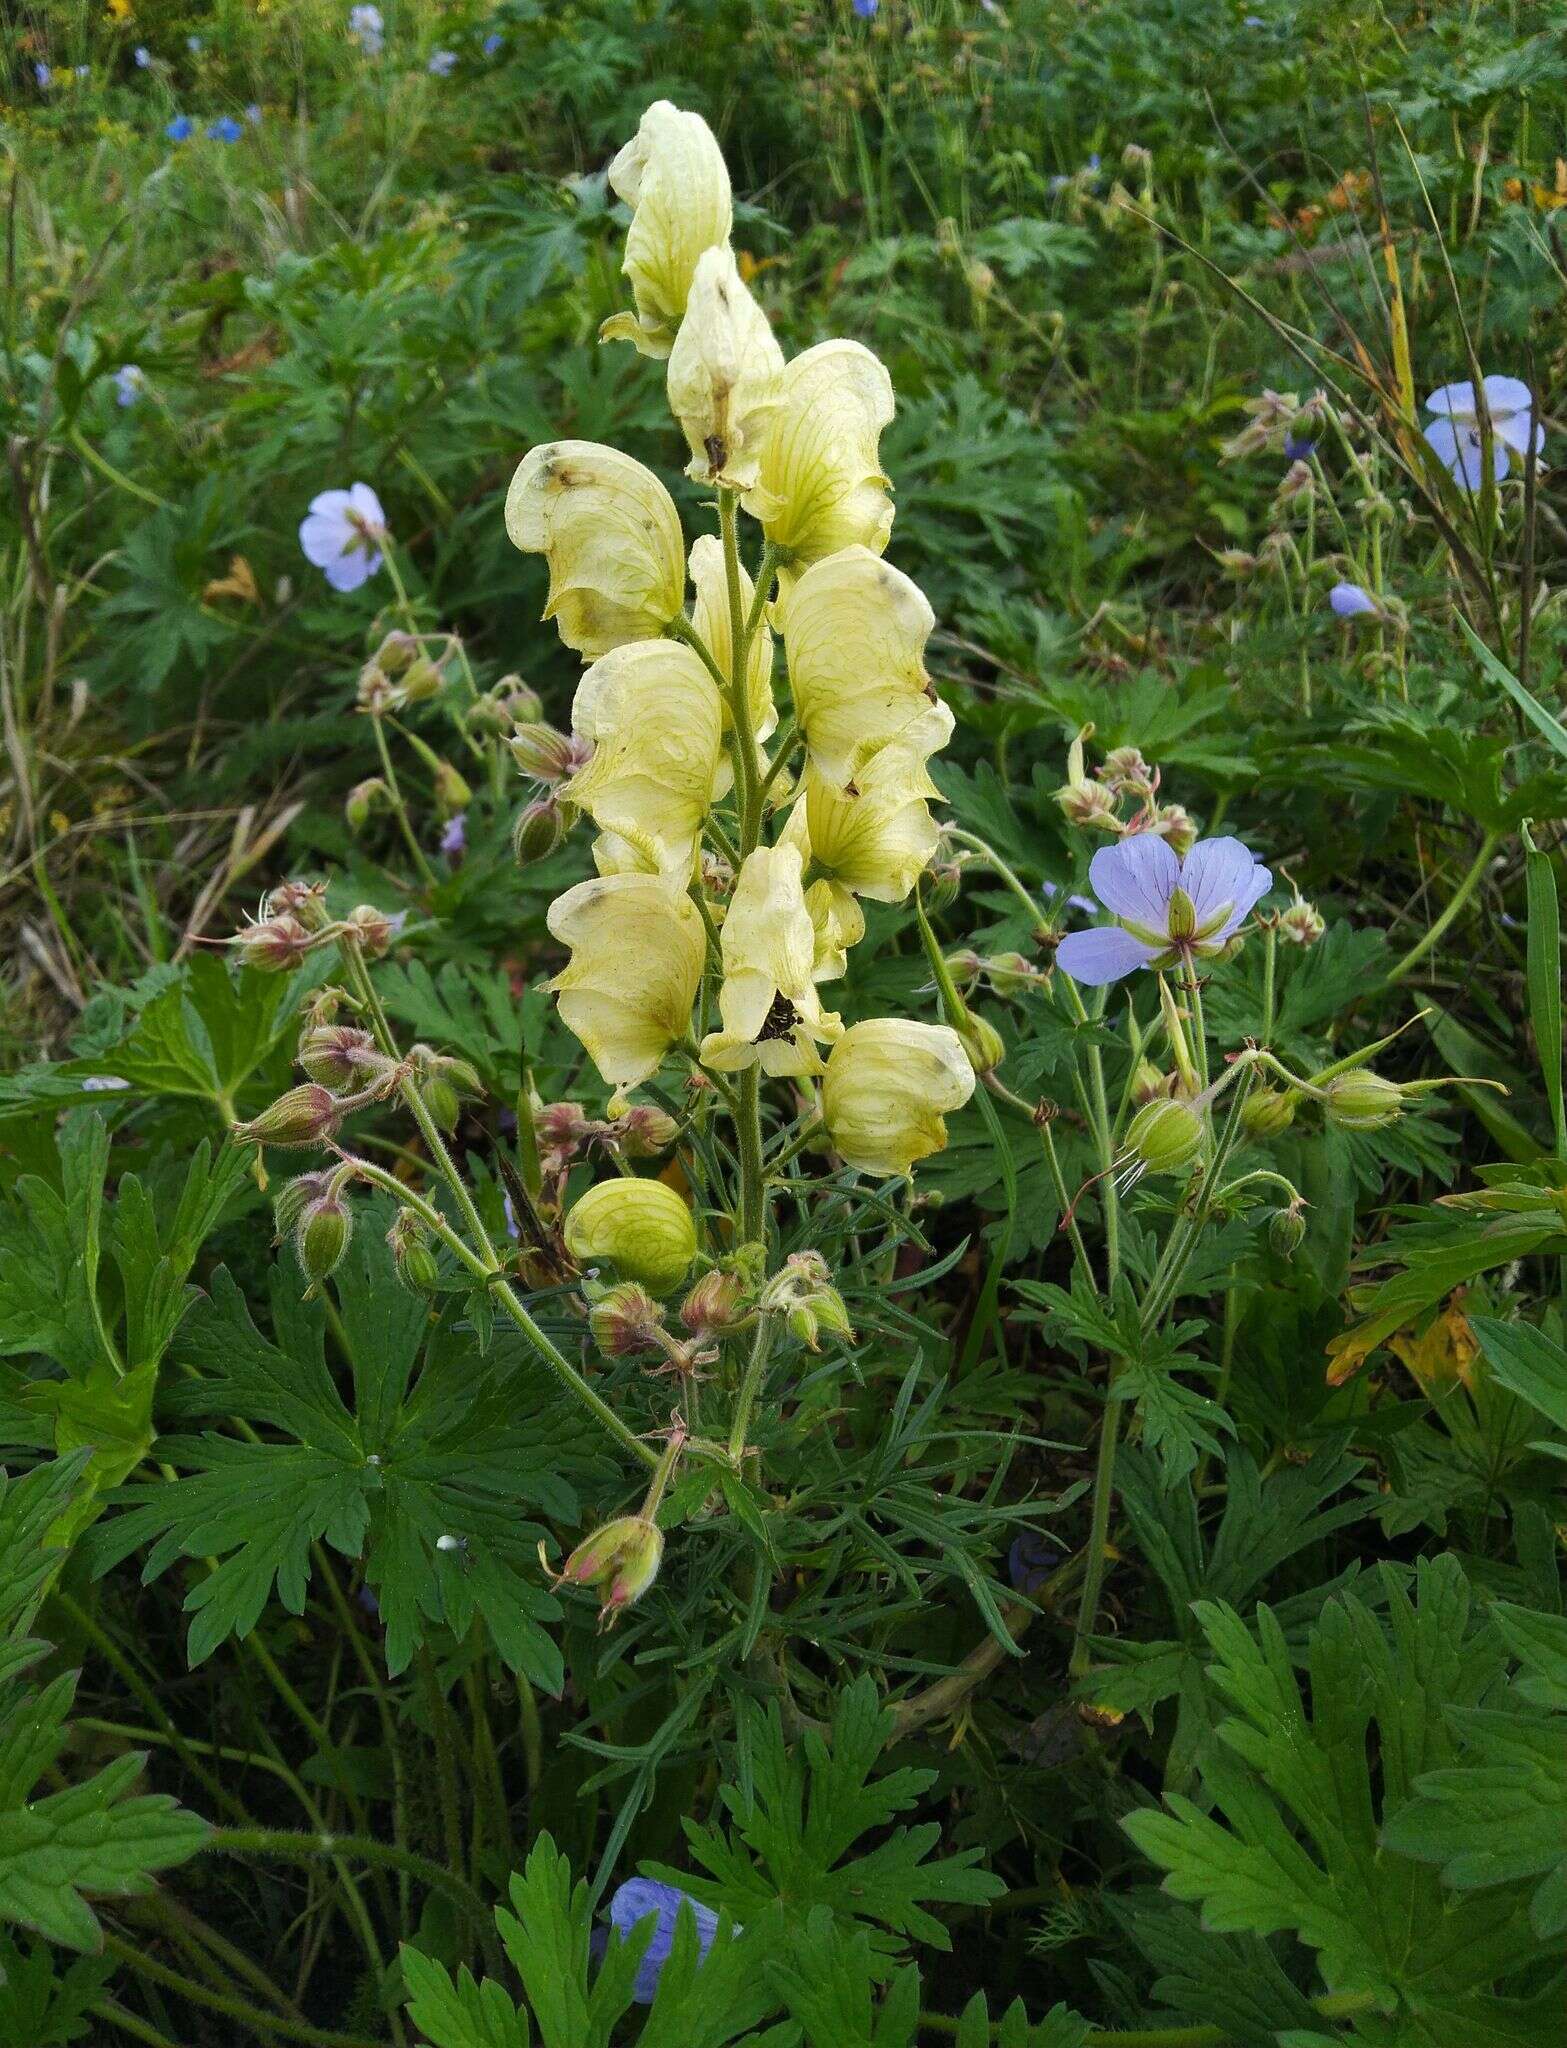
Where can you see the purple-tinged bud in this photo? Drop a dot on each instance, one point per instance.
(945, 877)
(273, 946)
(307, 1115)
(1149, 1085)
(1362, 1101)
(1088, 805)
(802, 1292)
(625, 1320)
(544, 754)
(321, 1234)
(452, 793)
(620, 1561)
(305, 901)
(644, 1131)
(1164, 1136)
(964, 965)
(1302, 924)
(375, 692)
(1297, 483)
(1010, 973)
(1267, 1112)
(561, 1128)
(715, 1306)
(364, 800)
(413, 1256)
(539, 831)
(1176, 825)
(373, 929)
(1124, 768)
(337, 1055)
(295, 1196)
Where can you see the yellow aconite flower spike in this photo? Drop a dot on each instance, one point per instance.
(875, 836)
(611, 535)
(673, 177)
(637, 952)
(821, 486)
(768, 1004)
(654, 717)
(888, 1085)
(710, 617)
(725, 374)
(854, 633)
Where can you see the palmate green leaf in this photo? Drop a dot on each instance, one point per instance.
(1290, 1840)
(206, 1034)
(841, 1992)
(41, 2005)
(794, 1826)
(458, 2012)
(1528, 1364)
(434, 1446)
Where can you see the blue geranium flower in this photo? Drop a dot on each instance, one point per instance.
(442, 64)
(143, 56)
(129, 383)
(225, 129)
(1454, 435)
(492, 44)
(867, 10)
(1169, 910)
(44, 76)
(1349, 601)
(181, 128)
(643, 1898)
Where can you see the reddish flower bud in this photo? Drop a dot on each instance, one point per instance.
(644, 1131)
(621, 1559)
(624, 1320)
(275, 945)
(306, 1115)
(337, 1055)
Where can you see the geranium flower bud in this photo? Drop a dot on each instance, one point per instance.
(364, 800)
(1010, 973)
(1287, 1229)
(337, 1055)
(964, 965)
(1164, 1136)
(294, 1196)
(1088, 805)
(1149, 1085)
(274, 945)
(1268, 1111)
(725, 374)
(413, 1256)
(644, 1131)
(545, 755)
(673, 177)
(611, 535)
(640, 1227)
(373, 929)
(306, 1115)
(487, 716)
(1124, 768)
(637, 953)
(375, 691)
(321, 1234)
(625, 1320)
(888, 1085)
(715, 1305)
(452, 793)
(560, 1128)
(801, 1291)
(540, 830)
(1362, 1101)
(521, 700)
(1236, 561)
(397, 652)
(982, 1042)
(620, 1560)
(305, 901)
(421, 681)
(1176, 826)
(1302, 924)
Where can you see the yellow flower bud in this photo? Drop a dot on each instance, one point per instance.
(821, 487)
(637, 949)
(725, 374)
(640, 1227)
(710, 617)
(611, 535)
(654, 717)
(673, 177)
(875, 836)
(854, 632)
(768, 1004)
(888, 1084)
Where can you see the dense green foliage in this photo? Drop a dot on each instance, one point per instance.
(1147, 1625)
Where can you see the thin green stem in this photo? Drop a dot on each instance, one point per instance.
(261, 2023)
(440, 1719)
(399, 807)
(1006, 874)
(750, 1387)
(1473, 875)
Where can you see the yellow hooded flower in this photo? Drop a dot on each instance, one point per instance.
(611, 535)
(888, 1084)
(640, 1227)
(637, 951)
(768, 1002)
(725, 374)
(874, 836)
(821, 486)
(710, 616)
(653, 715)
(854, 633)
(673, 177)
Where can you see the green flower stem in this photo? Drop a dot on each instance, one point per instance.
(483, 1262)
(746, 784)
(448, 1785)
(1270, 953)
(784, 742)
(394, 794)
(1004, 873)
(1191, 988)
(288, 1847)
(1472, 878)
(1047, 1139)
(750, 1387)
(128, 2023)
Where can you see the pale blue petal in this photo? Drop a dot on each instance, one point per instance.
(1349, 601)
(1105, 954)
(1453, 398)
(1508, 394)
(1220, 872)
(642, 1898)
(1134, 878)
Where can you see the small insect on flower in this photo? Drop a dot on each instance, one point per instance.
(1350, 601)
(1455, 437)
(225, 129)
(1169, 909)
(129, 383)
(181, 128)
(342, 535)
(442, 63)
(643, 1898)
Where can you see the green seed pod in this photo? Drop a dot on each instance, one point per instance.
(1268, 1111)
(1164, 1136)
(421, 680)
(539, 830)
(640, 1227)
(452, 793)
(412, 1253)
(337, 1055)
(321, 1236)
(364, 800)
(442, 1100)
(982, 1042)
(1287, 1230)
(520, 698)
(1362, 1101)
